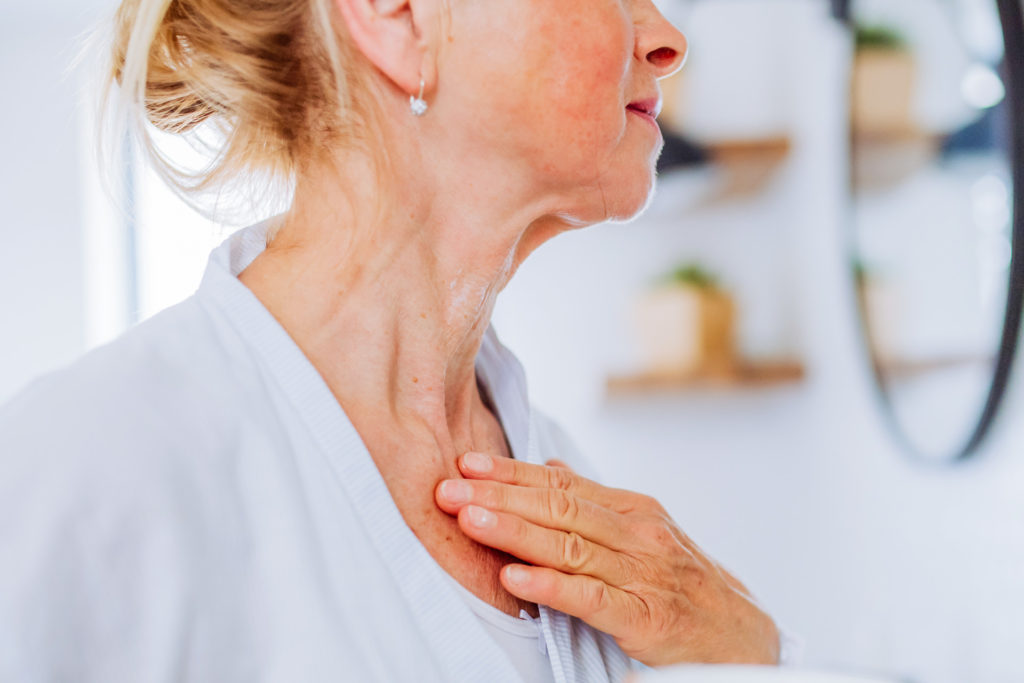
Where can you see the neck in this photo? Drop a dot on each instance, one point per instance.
(390, 304)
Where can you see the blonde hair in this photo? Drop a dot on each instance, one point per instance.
(259, 88)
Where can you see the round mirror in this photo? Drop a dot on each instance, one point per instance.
(937, 175)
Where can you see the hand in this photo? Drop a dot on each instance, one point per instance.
(611, 557)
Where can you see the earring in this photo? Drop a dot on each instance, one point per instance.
(417, 104)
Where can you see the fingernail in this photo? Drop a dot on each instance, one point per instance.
(480, 518)
(517, 576)
(456, 492)
(476, 462)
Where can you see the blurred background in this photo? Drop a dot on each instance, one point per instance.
(792, 348)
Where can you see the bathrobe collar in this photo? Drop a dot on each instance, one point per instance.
(445, 620)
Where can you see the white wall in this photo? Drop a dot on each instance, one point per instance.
(41, 270)
(880, 564)
(43, 298)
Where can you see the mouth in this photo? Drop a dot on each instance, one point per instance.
(649, 107)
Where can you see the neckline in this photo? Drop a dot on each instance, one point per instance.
(524, 625)
(447, 623)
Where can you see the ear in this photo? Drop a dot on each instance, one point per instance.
(388, 33)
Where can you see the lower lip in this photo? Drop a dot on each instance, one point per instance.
(645, 116)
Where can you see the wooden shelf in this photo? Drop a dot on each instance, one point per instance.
(746, 149)
(884, 159)
(746, 376)
(907, 368)
(897, 136)
(747, 166)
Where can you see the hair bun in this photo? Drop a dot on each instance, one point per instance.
(271, 76)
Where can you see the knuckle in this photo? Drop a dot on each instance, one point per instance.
(518, 470)
(595, 596)
(650, 505)
(560, 479)
(518, 529)
(499, 497)
(640, 575)
(655, 532)
(562, 506)
(663, 536)
(642, 614)
(574, 552)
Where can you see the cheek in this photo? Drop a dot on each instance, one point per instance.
(585, 92)
(587, 97)
(542, 85)
(572, 90)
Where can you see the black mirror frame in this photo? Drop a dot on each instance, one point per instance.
(1012, 20)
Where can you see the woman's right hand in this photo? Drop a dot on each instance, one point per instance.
(611, 557)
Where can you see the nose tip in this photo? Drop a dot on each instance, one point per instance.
(670, 56)
(664, 46)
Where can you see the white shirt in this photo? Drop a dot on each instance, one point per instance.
(522, 639)
(190, 502)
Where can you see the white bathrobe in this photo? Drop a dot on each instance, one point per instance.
(190, 502)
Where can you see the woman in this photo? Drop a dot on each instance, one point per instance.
(323, 465)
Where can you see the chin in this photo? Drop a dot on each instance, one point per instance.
(629, 191)
(619, 194)
(632, 199)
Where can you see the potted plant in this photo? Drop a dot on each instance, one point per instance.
(884, 77)
(686, 324)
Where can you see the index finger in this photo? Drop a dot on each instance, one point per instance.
(475, 465)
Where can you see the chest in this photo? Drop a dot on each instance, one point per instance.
(476, 567)
(411, 474)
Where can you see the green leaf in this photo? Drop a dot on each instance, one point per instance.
(692, 274)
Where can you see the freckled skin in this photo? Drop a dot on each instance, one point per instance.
(554, 79)
(538, 90)
(387, 282)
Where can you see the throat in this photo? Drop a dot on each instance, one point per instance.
(412, 462)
